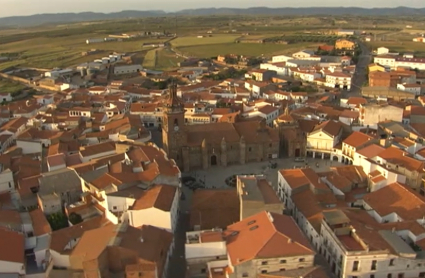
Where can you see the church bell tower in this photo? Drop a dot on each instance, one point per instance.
(174, 136)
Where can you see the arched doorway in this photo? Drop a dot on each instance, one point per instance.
(213, 160)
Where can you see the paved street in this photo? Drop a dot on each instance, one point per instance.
(360, 74)
(177, 264)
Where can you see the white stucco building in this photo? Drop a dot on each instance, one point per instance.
(157, 206)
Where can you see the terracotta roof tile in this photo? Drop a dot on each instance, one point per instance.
(399, 199)
(214, 208)
(62, 237)
(357, 139)
(39, 222)
(401, 158)
(332, 128)
(356, 100)
(371, 151)
(12, 246)
(152, 249)
(265, 235)
(98, 148)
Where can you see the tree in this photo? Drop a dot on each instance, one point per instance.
(75, 218)
(57, 221)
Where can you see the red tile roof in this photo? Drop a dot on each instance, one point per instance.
(357, 139)
(265, 235)
(12, 246)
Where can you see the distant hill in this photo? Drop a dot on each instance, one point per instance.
(40, 19)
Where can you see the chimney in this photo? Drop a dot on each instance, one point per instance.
(384, 142)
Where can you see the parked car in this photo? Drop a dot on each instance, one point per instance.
(299, 159)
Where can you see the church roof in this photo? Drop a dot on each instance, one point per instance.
(213, 133)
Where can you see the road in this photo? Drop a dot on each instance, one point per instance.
(360, 73)
(177, 263)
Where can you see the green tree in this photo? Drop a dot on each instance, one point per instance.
(57, 221)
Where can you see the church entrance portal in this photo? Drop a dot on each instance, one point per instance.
(213, 160)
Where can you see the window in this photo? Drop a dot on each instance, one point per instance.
(401, 275)
(245, 274)
(114, 207)
(249, 149)
(264, 263)
(251, 222)
(264, 271)
(203, 270)
(422, 274)
(391, 262)
(389, 275)
(372, 276)
(356, 266)
(283, 261)
(373, 265)
(301, 260)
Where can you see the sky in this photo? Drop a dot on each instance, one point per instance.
(28, 7)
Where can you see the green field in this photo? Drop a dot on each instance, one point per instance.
(166, 60)
(64, 51)
(417, 48)
(60, 45)
(194, 40)
(248, 49)
(12, 87)
(150, 59)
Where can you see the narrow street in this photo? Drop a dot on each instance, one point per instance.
(177, 264)
(359, 77)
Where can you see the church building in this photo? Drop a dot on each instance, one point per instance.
(207, 145)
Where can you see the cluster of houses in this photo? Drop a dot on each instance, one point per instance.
(321, 70)
(402, 73)
(87, 155)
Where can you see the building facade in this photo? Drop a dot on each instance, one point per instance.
(207, 145)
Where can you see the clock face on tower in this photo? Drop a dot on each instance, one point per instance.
(176, 128)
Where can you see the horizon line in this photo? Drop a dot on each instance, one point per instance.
(217, 8)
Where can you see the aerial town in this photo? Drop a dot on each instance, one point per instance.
(308, 165)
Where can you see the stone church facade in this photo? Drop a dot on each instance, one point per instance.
(293, 141)
(203, 146)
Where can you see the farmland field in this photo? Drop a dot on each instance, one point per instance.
(12, 87)
(193, 40)
(60, 45)
(47, 52)
(248, 49)
(167, 59)
(150, 59)
(401, 46)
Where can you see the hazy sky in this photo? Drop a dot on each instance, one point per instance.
(27, 7)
